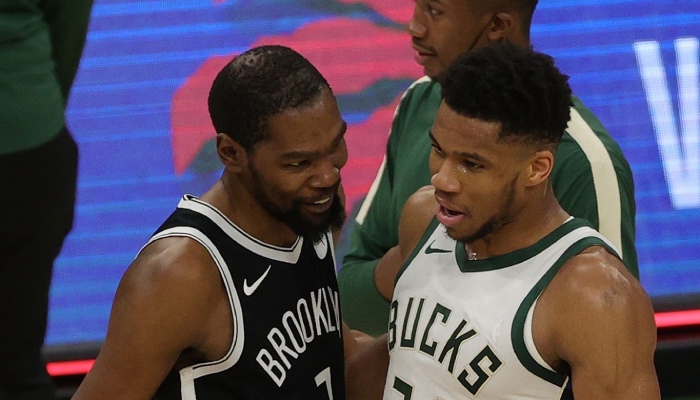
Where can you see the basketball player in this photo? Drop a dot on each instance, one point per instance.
(235, 295)
(591, 177)
(504, 295)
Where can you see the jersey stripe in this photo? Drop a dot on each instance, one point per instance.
(189, 374)
(360, 218)
(289, 255)
(604, 176)
(518, 336)
(521, 330)
(369, 199)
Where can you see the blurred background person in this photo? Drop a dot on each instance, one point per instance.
(41, 43)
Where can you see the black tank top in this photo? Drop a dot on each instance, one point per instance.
(287, 336)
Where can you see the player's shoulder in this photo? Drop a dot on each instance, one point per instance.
(595, 281)
(586, 134)
(421, 199)
(592, 304)
(422, 83)
(416, 110)
(423, 86)
(172, 263)
(418, 211)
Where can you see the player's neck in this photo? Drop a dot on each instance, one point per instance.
(527, 228)
(247, 214)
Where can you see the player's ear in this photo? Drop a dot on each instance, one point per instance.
(231, 153)
(502, 27)
(540, 167)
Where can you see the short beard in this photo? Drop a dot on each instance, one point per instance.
(295, 221)
(486, 229)
(303, 227)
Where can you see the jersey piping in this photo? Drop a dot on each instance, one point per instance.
(283, 254)
(607, 201)
(189, 374)
(369, 199)
(426, 235)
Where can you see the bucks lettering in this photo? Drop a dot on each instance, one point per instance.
(415, 327)
(313, 316)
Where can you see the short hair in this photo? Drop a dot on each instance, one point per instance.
(516, 86)
(258, 84)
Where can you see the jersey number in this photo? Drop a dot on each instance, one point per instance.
(324, 377)
(404, 388)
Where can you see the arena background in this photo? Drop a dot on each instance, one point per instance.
(138, 112)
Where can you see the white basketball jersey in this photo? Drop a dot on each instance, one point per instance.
(462, 329)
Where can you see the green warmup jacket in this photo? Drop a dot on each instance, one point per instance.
(41, 42)
(591, 179)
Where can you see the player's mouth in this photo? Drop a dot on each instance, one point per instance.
(422, 55)
(448, 217)
(447, 214)
(320, 205)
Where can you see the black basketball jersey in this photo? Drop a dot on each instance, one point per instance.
(287, 336)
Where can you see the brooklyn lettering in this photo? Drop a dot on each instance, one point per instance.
(314, 316)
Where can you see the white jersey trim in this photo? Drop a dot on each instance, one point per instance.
(189, 374)
(530, 341)
(607, 190)
(369, 198)
(288, 255)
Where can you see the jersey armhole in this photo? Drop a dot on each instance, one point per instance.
(190, 373)
(426, 235)
(530, 341)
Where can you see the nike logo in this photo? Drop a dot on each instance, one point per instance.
(430, 249)
(249, 289)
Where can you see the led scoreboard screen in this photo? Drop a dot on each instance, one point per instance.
(138, 112)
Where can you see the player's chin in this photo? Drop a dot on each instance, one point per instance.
(329, 222)
(316, 221)
(433, 70)
(460, 233)
(454, 234)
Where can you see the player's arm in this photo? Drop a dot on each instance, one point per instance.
(596, 317)
(366, 370)
(366, 367)
(163, 306)
(363, 308)
(366, 364)
(372, 234)
(416, 215)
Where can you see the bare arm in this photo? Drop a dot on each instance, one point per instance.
(366, 369)
(596, 318)
(160, 309)
(416, 215)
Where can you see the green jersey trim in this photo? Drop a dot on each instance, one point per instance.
(518, 326)
(517, 256)
(427, 234)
